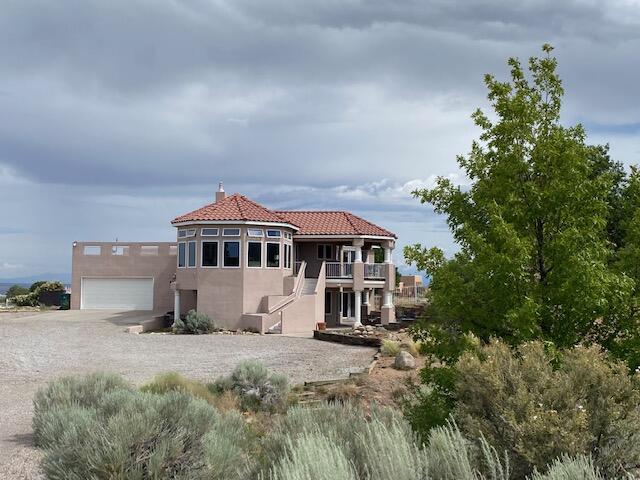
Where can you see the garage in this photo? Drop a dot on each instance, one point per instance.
(116, 293)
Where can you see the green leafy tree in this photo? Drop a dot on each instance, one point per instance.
(16, 290)
(535, 255)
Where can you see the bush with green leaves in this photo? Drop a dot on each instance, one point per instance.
(15, 290)
(195, 323)
(28, 300)
(539, 404)
(98, 427)
(390, 348)
(256, 387)
(174, 382)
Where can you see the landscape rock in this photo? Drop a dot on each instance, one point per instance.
(405, 361)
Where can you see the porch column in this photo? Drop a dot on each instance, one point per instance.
(176, 305)
(387, 311)
(365, 300)
(387, 254)
(358, 254)
(358, 307)
(388, 299)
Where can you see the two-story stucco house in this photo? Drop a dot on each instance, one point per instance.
(246, 266)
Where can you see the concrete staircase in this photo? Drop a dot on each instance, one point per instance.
(309, 286)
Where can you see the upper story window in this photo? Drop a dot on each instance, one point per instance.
(120, 250)
(231, 254)
(325, 252)
(231, 232)
(210, 254)
(182, 255)
(192, 255)
(287, 235)
(185, 233)
(255, 232)
(274, 233)
(273, 255)
(254, 254)
(209, 232)
(287, 255)
(92, 250)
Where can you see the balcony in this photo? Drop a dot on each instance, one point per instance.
(339, 270)
(374, 270)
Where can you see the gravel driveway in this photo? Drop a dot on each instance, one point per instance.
(35, 349)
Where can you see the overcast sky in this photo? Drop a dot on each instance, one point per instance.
(118, 115)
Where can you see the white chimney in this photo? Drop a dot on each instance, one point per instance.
(220, 195)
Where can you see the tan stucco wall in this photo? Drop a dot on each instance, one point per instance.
(160, 267)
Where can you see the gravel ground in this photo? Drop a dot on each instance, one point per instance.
(37, 348)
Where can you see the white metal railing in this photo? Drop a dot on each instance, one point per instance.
(339, 270)
(374, 270)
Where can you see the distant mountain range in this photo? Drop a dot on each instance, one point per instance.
(61, 277)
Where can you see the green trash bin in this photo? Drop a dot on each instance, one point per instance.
(65, 301)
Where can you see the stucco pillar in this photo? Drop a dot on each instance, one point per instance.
(387, 254)
(176, 305)
(358, 308)
(388, 311)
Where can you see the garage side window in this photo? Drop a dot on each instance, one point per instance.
(192, 254)
(209, 254)
(182, 255)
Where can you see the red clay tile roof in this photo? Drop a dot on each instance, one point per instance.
(332, 223)
(234, 207)
(240, 208)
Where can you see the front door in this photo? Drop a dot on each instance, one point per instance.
(348, 305)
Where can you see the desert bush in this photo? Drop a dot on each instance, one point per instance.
(539, 405)
(35, 285)
(28, 300)
(255, 386)
(100, 428)
(313, 456)
(54, 286)
(15, 290)
(174, 382)
(390, 348)
(566, 468)
(194, 323)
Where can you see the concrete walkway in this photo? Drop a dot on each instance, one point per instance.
(35, 349)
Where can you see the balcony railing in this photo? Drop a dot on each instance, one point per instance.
(374, 270)
(339, 270)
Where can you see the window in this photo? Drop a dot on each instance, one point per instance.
(231, 254)
(273, 255)
(192, 254)
(231, 232)
(273, 233)
(325, 252)
(209, 254)
(287, 255)
(187, 233)
(173, 249)
(92, 250)
(327, 303)
(149, 250)
(254, 232)
(120, 250)
(287, 235)
(182, 255)
(209, 232)
(254, 254)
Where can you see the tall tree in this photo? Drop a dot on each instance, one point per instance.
(535, 254)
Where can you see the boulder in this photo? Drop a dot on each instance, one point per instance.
(405, 361)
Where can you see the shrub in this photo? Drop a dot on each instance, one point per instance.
(16, 290)
(566, 468)
(96, 427)
(539, 406)
(390, 348)
(54, 286)
(255, 386)
(35, 285)
(195, 323)
(174, 382)
(27, 300)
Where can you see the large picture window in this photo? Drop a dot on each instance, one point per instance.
(191, 258)
(209, 254)
(273, 255)
(231, 257)
(182, 255)
(254, 254)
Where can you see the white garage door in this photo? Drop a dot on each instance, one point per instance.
(117, 293)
